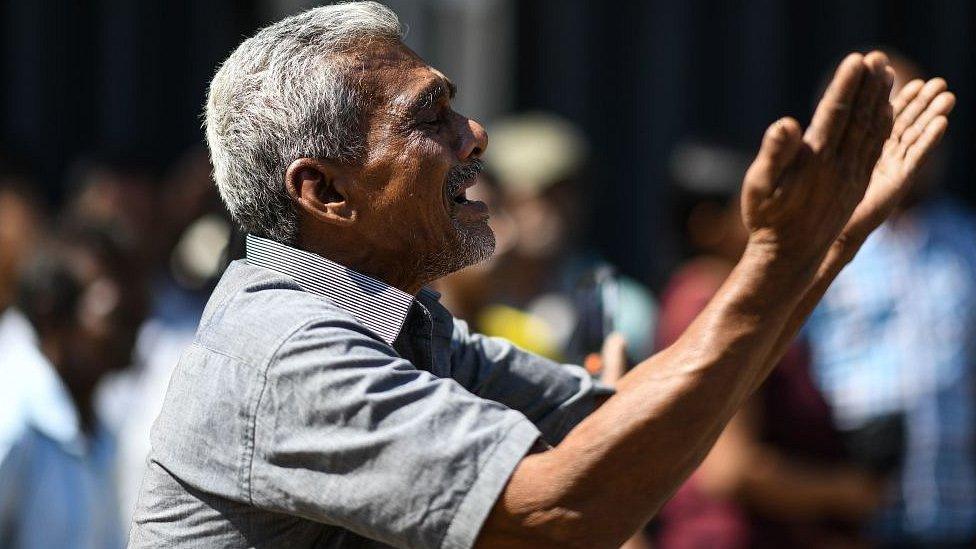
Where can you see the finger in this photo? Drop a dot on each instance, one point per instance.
(921, 148)
(905, 96)
(917, 106)
(873, 146)
(901, 100)
(940, 106)
(871, 120)
(614, 355)
(780, 145)
(833, 111)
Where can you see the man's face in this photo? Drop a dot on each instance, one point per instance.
(421, 156)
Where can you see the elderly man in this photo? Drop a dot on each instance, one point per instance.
(328, 399)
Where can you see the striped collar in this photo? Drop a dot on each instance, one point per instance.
(375, 304)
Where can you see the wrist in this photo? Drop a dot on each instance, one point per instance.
(775, 278)
(770, 255)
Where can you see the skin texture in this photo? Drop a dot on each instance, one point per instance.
(389, 216)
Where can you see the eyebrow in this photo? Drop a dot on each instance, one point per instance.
(432, 93)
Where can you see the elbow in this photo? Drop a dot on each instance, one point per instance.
(547, 504)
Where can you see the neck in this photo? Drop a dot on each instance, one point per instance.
(376, 264)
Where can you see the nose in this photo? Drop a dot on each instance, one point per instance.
(474, 141)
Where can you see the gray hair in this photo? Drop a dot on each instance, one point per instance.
(286, 93)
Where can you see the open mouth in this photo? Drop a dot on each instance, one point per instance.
(460, 179)
(461, 197)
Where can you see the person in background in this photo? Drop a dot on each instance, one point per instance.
(182, 229)
(20, 230)
(777, 477)
(118, 191)
(546, 291)
(196, 242)
(894, 341)
(22, 219)
(85, 299)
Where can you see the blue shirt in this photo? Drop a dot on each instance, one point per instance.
(896, 334)
(57, 484)
(320, 407)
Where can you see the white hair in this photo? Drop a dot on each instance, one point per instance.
(285, 93)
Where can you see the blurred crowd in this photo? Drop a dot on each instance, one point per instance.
(864, 435)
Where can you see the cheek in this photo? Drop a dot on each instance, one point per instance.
(424, 169)
(408, 173)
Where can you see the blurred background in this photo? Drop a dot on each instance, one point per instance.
(619, 132)
(128, 79)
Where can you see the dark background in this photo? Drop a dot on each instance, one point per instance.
(127, 79)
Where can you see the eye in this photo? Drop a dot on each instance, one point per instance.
(434, 120)
(435, 117)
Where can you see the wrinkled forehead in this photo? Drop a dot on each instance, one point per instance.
(393, 75)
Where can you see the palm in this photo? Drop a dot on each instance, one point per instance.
(921, 110)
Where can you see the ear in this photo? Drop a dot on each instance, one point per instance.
(321, 189)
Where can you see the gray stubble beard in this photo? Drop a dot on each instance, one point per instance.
(469, 245)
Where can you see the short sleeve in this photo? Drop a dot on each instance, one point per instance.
(349, 434)
(554, 396)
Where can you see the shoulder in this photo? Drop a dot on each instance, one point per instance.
(254, 311)
(263, 344)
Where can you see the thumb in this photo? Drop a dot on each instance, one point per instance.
(614, 355)
(780, 145)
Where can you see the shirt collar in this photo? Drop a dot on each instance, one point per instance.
(375, 304)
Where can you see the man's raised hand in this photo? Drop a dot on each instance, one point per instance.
(921, 112)
(802, 188)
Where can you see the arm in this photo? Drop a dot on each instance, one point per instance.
(598, 486)
(778, 485)
(613, 472)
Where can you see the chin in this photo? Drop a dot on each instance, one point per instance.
(470, 243)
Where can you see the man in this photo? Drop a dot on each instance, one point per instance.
(85, 304)
(328, 400)
(893, 338)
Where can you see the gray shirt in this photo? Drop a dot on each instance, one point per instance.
(318, 407)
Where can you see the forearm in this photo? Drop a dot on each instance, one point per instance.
(841, 252)
(613, 472)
